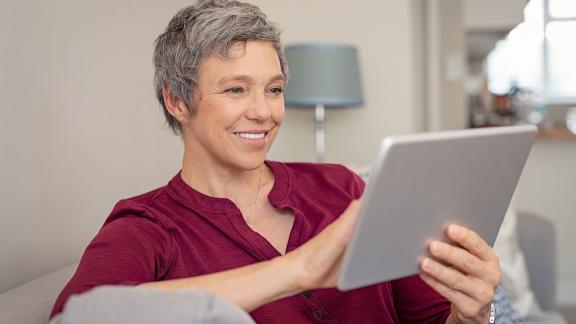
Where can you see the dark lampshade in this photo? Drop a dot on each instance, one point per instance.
(323, 74)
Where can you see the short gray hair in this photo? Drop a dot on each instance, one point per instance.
(206, 28)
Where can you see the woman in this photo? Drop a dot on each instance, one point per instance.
(264, 235)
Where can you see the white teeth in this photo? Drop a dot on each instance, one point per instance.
(250, 135)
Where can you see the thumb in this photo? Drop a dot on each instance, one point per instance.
(344, 225)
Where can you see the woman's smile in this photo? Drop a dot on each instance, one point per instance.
(257, 139)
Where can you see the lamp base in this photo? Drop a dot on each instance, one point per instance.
(319, 114)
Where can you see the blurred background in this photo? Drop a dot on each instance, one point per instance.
(80, 127)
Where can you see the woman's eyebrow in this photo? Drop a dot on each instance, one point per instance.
(238, 77)
(248, 79)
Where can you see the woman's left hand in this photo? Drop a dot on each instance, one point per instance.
(467, 274)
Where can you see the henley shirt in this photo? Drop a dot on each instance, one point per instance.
(177, 232)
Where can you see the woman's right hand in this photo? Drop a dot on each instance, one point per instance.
(317, 263)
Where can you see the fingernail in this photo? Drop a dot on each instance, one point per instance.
(426, 264)
(455, 230)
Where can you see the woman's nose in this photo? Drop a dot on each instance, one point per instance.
(259, 108)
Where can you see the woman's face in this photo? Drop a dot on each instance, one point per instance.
(239, 107)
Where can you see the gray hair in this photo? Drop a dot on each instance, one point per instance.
(206, 28)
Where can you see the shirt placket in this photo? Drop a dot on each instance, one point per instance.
(314, 307)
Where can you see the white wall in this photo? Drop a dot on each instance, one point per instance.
(445, 65)
(80, 127)
(79, 124)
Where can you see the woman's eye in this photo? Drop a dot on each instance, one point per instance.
(276, 90)
(235, 90)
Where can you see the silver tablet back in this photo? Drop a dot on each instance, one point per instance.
(421, 182)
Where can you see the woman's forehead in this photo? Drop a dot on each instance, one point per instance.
(255, 59)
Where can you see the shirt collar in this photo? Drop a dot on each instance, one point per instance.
(203, 203)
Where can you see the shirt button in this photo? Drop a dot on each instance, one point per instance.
(317, 315)
(305, 294)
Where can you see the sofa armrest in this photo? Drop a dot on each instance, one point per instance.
(32, 302)
(537, 238)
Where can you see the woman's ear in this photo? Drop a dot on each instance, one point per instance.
(175, 106)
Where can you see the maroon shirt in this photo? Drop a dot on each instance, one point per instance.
(176, 232)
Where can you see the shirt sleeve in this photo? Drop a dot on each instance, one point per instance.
(416, 302)
(359, 185)
(127, 251)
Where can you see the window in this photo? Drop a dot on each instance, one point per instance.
(539, 55)
(560, 50)
(562, 8)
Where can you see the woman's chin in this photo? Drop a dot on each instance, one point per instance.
(248, 162)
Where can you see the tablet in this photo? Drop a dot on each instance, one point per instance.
(421, 182)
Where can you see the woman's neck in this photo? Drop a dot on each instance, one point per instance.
(217, 180)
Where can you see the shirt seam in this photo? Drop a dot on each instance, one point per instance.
(168, 230)
(289, 184)
(159, 220)
(172, 254)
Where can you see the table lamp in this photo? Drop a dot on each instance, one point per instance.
(322, 76)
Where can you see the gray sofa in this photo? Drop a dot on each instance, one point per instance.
(537, 238)
(31, 303)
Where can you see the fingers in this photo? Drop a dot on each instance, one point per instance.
(466, 274)
(470, 241)
(464, 305)
(475, 257)
(458, 258)
(450, 294)
(350, 215)
(338, 233)
(317, 262)
(456, 281)
(343, 226)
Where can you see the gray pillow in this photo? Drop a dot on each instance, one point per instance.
(140, 305)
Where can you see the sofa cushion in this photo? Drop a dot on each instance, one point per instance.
(32, 302)
(513, 265)
(142, 305)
